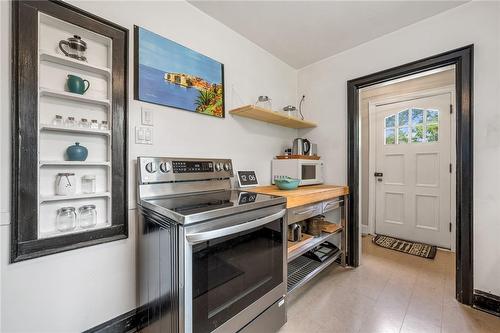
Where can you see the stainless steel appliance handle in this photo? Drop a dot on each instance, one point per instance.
(208, 235)
(333, 205)
(307, 211)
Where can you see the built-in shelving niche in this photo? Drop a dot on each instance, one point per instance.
(40, 93)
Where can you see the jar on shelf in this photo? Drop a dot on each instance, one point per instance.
(66, 219)
(94, 124)
(84, 123)
(58, 120)
(104, 125)
(65, 183)
(70, 122)
(87, 216)
(89, 184)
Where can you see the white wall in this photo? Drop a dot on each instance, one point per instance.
(79, 289)
(476, 23)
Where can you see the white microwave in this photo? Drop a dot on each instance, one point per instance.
(309, 172)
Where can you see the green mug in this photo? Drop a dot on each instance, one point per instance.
(77, 85)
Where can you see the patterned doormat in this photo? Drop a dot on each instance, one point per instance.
(413, 248)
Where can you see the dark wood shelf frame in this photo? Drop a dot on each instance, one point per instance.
(24, 238)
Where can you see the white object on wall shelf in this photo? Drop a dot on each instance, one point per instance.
(74, 197)
(67, 61)
(57, 233)
(74, 97)
(74, 163)
(74, 130)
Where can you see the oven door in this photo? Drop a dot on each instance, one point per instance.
(311, 173)
(234, 271)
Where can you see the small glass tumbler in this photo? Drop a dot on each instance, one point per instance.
(58, 120)
(104, 125)
(70, 122)
(89, 184)
(84, 123)
(66, 219)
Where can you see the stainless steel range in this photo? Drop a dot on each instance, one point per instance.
(211, 259)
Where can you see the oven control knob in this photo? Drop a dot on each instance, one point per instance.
(165, 167)
(151, 167)
(218, 166)
(227, 166)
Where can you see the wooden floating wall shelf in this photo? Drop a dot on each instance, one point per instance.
(268, 116)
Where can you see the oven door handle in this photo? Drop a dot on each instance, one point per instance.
(208, 235)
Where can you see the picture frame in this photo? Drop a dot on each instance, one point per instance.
(169, 74)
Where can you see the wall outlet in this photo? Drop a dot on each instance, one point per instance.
(143, 135)
(147, 117)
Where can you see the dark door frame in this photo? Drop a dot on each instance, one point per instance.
(463, 59)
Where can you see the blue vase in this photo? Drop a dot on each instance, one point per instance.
(77, 152)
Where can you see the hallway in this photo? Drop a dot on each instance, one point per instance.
(389, 292)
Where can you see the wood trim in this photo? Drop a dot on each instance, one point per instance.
(462, 58)
(487, 302)
(24, 242)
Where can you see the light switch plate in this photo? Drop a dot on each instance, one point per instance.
(143, 135)
(147, 116)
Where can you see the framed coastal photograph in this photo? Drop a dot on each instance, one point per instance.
(169, 74)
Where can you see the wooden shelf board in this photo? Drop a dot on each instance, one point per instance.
(75, 163)
(307, 245)
(297, 157)
(268, 116)
(332, 228)
(67, 61)
(74, 197)
(304, 239)
(74, 97)
(74, 130)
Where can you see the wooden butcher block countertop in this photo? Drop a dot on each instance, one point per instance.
(305, 194)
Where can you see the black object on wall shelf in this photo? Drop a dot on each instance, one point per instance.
(78, 92)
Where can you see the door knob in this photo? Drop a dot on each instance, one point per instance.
(378, 174)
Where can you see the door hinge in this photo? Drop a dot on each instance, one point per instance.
(450, 226)
(451, 168)
(451, 108)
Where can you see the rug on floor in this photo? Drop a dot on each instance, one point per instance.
(413, 248)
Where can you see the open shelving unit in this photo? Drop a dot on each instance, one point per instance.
(41, 93)
(302, 268)
(268, 116)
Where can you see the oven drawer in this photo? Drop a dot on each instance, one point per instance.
(331, 204)
(304, 212)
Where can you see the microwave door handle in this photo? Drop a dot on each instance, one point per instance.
(199, 237)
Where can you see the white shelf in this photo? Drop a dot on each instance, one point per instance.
(74, 130)
(74, 97)
(74, 163)
(67, 61)
(74, 197)
(57, 233)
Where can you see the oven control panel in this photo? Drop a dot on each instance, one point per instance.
(168, 169)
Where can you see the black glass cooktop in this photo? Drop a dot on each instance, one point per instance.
(208, 201)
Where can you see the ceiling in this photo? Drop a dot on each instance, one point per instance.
(303, 32)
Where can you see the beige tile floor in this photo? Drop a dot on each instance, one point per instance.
(389, 292)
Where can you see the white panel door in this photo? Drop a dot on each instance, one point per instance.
(413, 152)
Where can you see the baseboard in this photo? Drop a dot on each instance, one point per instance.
(125, 323)
(486, 302)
